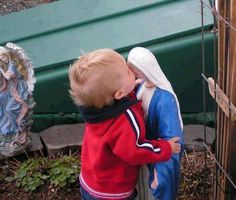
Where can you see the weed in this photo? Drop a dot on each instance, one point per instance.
(56, 172)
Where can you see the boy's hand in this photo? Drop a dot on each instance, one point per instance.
(175, 146)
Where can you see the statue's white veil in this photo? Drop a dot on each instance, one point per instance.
(145, 61)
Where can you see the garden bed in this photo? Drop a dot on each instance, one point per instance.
(193, 182)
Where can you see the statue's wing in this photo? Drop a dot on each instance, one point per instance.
(20, 54)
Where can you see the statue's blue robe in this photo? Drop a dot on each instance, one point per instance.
(163, 122)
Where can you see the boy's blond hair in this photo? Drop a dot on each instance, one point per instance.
(95, 77)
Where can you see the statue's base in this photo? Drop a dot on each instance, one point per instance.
(33, 145)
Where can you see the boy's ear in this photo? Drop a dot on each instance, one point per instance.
(118, 94)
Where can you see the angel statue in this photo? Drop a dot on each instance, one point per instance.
(16, 99)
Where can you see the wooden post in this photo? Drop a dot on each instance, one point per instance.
(232, 94)
(226, 130)
(221, 77)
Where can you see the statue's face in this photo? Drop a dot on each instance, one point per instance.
(4, 58)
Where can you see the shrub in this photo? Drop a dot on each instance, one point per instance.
(32, 173)
(56, 172)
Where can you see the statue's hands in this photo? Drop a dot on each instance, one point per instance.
(6, 75)
(138, 81)
(154, 183)
(1, 70)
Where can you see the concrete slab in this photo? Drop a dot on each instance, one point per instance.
(62, 138)
(194, 134)
(36, 143)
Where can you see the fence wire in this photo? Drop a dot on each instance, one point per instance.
(231, 27)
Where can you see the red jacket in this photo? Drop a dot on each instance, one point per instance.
(114, 146)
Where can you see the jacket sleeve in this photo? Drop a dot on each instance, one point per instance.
(129, 143)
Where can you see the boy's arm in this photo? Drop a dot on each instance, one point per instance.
(129, 144)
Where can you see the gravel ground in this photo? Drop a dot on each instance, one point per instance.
(9, 6)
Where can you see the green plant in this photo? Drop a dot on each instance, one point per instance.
(64, 171)
(38, 171)
(32, 173)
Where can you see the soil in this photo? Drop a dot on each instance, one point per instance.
(9, 191)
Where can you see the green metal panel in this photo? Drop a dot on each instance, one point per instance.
(54, 35)
(66, 14)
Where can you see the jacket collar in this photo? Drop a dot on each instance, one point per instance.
(95, 115)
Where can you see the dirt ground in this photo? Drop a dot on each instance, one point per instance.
(194, 185)
(9, 191)
(9, 6)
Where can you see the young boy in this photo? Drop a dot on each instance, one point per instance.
(163, 120)
(114, 144)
